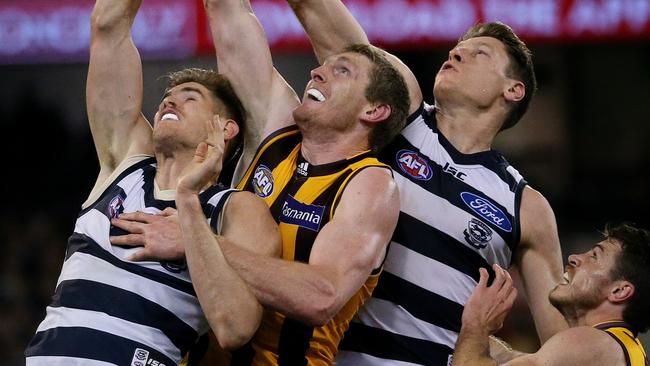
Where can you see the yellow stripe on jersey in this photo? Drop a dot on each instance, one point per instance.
(302, 199)
(634, 353)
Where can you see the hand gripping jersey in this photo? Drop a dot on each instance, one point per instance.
(302, 199)
(458, 213)
(632, 349)
(109, 311)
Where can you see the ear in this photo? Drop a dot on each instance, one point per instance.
(621, 291)
(230, 129)
(375, 113)
(516, 91)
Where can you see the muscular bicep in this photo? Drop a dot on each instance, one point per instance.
(354, 242)
(244, 57)
(114, 86)
(248, 223)
(539, 260)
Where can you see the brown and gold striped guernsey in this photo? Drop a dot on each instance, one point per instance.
(302, 198)
(633, 350)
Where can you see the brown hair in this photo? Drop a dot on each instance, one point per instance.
(386, 86)
(520, 66)
(633, 265)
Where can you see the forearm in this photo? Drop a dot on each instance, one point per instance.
(329, 25)
(235, 317)
(472, 348)
(295, 289)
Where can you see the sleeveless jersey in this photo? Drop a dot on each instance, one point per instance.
(459, 212)
(107, 310)
(632, 349)
(302, 199)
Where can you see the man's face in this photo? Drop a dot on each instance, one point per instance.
(182, 115)
(474, 74)
(335, 95)
(587, 278)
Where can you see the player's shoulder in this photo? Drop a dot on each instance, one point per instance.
(244, 201)
(584, 339)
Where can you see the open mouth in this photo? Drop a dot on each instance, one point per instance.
(315, 95)
(169, 117)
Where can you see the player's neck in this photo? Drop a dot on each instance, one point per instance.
(169, 167)
(469, 130)
(319, 149)
(601, 314)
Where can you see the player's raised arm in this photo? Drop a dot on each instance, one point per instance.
(539, 260)
(244, 57)
(114, 86)
(331, 27)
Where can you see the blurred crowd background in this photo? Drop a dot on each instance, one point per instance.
(585, 142)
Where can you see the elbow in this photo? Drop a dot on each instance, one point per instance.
(232, 331)
(104, 20)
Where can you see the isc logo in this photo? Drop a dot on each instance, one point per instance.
(262, 181)
(412, 164)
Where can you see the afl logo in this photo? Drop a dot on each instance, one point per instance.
(414, 165)
(487, 210)
(262, 181)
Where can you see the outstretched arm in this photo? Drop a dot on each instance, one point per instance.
(539, 260)
(114, 86)
(235, 317)
(331, 27)
(244, 57)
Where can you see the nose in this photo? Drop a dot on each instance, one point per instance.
(456, 54)
(318, 74)
(574, 260)
(169, 101)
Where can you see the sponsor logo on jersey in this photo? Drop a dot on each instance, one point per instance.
(303, 169)
(116, 206)
(262, 181)
(487, 210)
(141, 358)
(477, 234)
(454, 171)
(413, 164)
(301, 214)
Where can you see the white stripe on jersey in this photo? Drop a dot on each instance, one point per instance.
(354, 358)
(421, 270)
(384, 314)
(481, 178)
(68, 317)
(87, 267)
(64, 361)
(449, 219)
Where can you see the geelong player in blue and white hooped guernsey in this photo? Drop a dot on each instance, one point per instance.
(462, 205)
(109, 309)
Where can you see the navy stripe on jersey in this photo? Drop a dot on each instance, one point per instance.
(434, 244)
(127, 171)
(91, 344)
(383, 344)
(415, 114)
(126, 305)
(84, 244)
(444, 185)
(294, 343)
(423, 304)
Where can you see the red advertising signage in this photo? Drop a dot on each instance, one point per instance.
(58, 31)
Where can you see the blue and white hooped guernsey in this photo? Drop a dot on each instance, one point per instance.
(459, 212)
(110, 311)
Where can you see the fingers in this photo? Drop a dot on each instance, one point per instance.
(483, 277)
(129, 239)
(140, 256)
(137, 216)
(132, 227)
(169, 211)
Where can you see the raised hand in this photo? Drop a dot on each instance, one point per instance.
(206, 165)
(488, 306)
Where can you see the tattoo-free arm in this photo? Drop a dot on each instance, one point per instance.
(114, 86)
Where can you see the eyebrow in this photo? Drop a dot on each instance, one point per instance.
(184, 89)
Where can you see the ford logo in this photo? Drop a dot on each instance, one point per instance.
(487, 210)
(412, 164)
